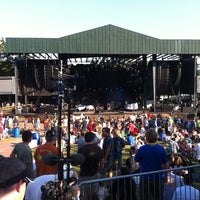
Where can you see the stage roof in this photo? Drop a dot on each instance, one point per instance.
(101, 41)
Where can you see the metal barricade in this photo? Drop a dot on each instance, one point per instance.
(178, 183)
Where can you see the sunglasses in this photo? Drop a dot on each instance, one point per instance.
(27, 180)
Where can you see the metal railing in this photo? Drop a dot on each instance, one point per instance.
(181, 183)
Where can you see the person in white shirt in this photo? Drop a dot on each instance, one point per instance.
(197, 150)
(172, 182)
(34, 192)
(65, 122)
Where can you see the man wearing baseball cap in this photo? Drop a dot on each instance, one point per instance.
(89, 170)
(12, 175)
(42, 150)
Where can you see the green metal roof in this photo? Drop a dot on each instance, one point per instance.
(107, 39)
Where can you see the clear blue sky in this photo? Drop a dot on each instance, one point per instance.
(164, 19)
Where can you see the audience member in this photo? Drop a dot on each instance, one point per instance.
(186, 192)
(178, 163)
(186, 174)
(81, 139)
(173, 145)
(108, 151)
(173, 181)
(162, 134)
(12, 175)
(34, 189)
(124, 188)
(90, 169)
(197, 150)
(119, 144)
(132, 165)
(2, 133)
(152, 157)
(42, 150)
(130, 139)
(139, 142)
(23, 152)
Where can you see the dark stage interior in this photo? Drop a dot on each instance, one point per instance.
(100, 80)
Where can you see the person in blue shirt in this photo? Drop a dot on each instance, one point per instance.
(108, 151)
(131, 139)
(162, 134)
(119, 144)
(152, 157)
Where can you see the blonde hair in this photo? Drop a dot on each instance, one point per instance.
(117, 132)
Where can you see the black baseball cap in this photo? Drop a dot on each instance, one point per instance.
(50, 134)
(12, 171)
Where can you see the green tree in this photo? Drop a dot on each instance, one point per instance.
(6, 66)
(2, 46)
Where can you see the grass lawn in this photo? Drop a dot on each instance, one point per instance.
(74, 149)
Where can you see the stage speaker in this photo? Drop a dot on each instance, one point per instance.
(48, 77)
(162, 78)
(187, 78)
(36, 76)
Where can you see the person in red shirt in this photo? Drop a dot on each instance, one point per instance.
(90, 126)
(42, 150)
(46, 124)
(131, 127)
(149, 115)
(2, 136)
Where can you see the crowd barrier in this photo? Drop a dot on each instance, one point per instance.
(125, 187)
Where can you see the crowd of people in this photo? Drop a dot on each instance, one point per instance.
(176, 134)
(102, 141)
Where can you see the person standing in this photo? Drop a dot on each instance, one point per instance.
(90, 169)
(108, 151)
(90, 125)
(44, 187)
(65, 123)
(81, 139)
(131, 165)
(130, 139)
(173, 145)
(42, 150)
(2, 135)
(12, 175)
(37, 124)
(197, 150)
(152, 157)
(23, 152)
(119, 144)
(46, 124)
(16, 121)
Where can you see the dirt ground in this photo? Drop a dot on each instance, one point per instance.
(7, 145)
